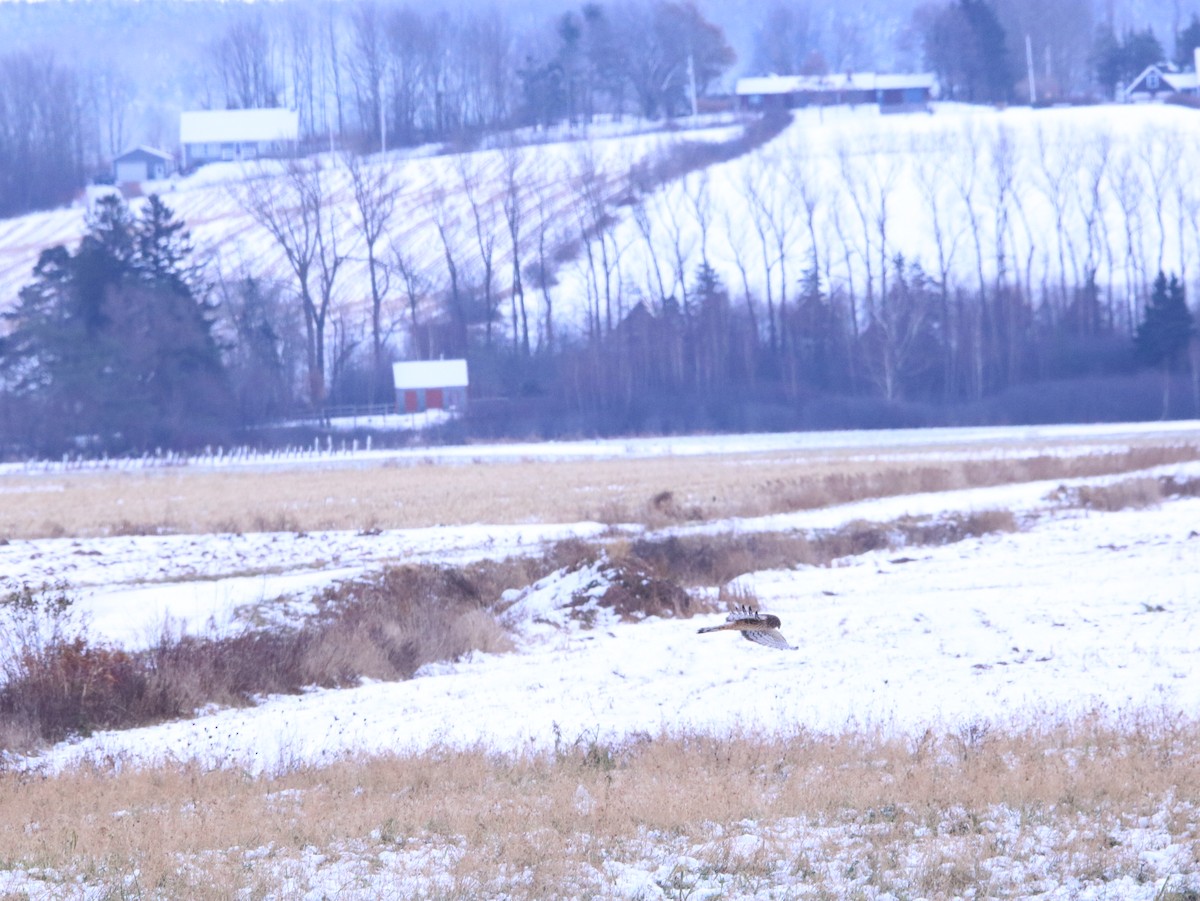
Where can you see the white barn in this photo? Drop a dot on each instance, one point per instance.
(893, 93)
(237, 134)
(430, 385)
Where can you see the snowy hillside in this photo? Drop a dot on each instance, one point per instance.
(1039, 198)
(429, 189)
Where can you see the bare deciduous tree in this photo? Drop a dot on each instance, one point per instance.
(1092, 205)
(300, 51)
(668, 212)
(375, 195)
(473, 180)
(242, 60)
(417, 286)
(734, 237)
(854, 183)
(755, 191)
(928, 167)
(297, 212)
(1125, 182)
(550, 234)
(644, 223)
(700, 204)
(446, 224)
(514, 188)
(367, 65)
(1161, 161)
(967, 179)
(596, 231)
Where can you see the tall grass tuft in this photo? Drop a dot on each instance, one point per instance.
(55, 682)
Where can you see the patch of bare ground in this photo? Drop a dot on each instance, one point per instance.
(984, 811)
(656, 491)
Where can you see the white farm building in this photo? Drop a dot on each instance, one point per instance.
(209, 136)
(430, 385)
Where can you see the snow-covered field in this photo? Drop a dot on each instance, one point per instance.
(993, 441)
(1077, 612)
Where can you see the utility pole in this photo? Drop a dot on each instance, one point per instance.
(382, 116)
(1029, 68)
(692, 84)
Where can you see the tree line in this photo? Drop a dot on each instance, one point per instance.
(373, 73)
(126, 343)
(362, 76)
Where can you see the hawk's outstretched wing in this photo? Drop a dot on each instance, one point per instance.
(751, 617)
(772, 638)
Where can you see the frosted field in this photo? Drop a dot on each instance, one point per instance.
(1077, 613)
(991, 441)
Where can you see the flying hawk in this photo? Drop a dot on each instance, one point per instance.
(754, 626)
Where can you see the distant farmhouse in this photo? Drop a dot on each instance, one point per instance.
(142, 164)
(893, 93)
(209, 136)
(1162, 80)
(430, 385)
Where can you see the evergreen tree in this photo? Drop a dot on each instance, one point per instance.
(1165, 331)
(993, 75)
(968, 48)
(1118, 62)
(543, 93)
(1107, 61)
(1186, 43)
(112, 345)
(814, 329)
(1166, 327)
(1140, 49)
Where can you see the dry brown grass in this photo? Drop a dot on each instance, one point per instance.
(1124, 494)
(55, 683)
(862, 810)
(656, 491)
(715, 558)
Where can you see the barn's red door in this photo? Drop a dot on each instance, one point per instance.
(433, 399)
(411, 404)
